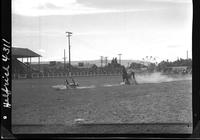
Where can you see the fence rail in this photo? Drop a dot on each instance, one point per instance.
(60, 75)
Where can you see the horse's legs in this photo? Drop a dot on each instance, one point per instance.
(73, 81)
(123, 78)
(134, 78)
(135, 81)
(127, 81)
(67, 84)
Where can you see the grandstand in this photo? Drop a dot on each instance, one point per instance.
(23, 67)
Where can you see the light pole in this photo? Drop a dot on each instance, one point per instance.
(69, 34)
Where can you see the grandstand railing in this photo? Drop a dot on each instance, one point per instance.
(19, 76)
(60, 75)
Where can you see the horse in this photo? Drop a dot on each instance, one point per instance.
(131, 75)
(128, 75)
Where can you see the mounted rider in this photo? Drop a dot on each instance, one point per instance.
(72, 84)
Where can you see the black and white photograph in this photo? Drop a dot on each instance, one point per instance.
(102, 66)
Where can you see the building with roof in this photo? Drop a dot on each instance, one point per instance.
(23, 66)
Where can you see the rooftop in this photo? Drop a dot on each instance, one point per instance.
(23, 53)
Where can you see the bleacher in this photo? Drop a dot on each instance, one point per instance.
(19, 68)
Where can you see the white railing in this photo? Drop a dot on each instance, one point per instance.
(60, 75)
(22, 76)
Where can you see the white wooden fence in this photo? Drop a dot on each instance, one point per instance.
(57, 75)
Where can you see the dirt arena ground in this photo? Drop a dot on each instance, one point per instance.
(159, 107)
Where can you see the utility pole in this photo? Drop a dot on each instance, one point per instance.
(120, 58)
(187, 54)
(64, 61)
(101, 61)
(106, 60)
(69, 34)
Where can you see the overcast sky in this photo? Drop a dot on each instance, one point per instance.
(134, 28)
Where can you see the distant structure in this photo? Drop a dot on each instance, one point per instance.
(82, 65)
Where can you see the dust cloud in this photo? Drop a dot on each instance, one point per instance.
(158, 77)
